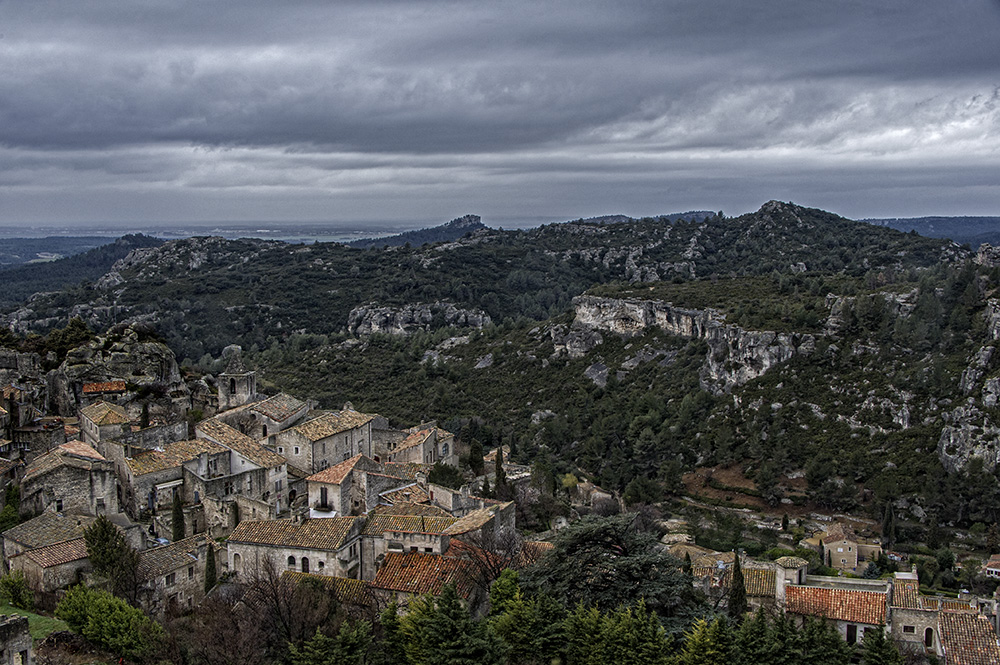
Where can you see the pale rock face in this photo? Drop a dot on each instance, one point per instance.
(408, 319)
(969, 433)
(992, 315)
(735, 355)
(988, 256)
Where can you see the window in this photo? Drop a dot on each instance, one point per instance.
(296, 450)
(277, 485)
(324, 447)
(59, 505)
(291, 562)
(320, 565)
(395, 547)
(305, 565)
(228, 489)
(265, 430)
(852, 634)
(909, 629)
(414, 548)
(281, 451)
(170, 579)
(929, 637)
(190, 572)
(428, 549)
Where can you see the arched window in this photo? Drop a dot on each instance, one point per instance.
(291, 562)
(236, 562)
(305, 565)
(319, 566)
(929, 637)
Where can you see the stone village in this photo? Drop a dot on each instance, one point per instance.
(275, 486)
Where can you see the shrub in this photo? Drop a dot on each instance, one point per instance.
(15, 589)
(109, 622)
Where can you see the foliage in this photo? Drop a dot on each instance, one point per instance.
(349, 646)
(442, 632)
(609, 562)
(9, 516)
(446, 476)
(737, 606)
(210, 568)
(109, 622)
(14, 589)
(476, 457)
(177, 519)
(876, 649)
(112, 557)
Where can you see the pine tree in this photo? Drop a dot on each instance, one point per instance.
(444, 632)
(821, 643)
(706, 644)
(476, 457)
(752, 640)
(210, 572)
(877, 650)
(737, 593)
(177, 519)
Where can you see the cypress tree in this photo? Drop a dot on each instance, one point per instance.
(737, 593)
(177, 519)
(210, 574)
(687, 567)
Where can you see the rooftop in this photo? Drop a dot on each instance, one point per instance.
(279, 408)
(854, 606)
(173, 455)
(73, 453)
(331, 423)
(376, 525)
(477, 519)
(104, 387)
(409, 508)
(420, 573)
(335, 474)
(232, 438)
(330, 533)
(161, 560)
(48, 528)
(57, 553)
(412, 493)
(103, 413)
(968, 639)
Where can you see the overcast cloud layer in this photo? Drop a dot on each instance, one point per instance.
(360, 111)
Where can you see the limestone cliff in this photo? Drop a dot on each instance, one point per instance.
(408, 319)
(735, 355)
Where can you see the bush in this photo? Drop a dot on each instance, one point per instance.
(14, 589)
(109, 622)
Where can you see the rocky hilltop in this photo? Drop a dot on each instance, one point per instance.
(407, 319)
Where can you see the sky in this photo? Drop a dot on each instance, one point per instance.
(154, 111)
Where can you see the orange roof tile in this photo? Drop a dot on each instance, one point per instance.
(103, 413)
(855, 606)
(72, 453)
(411, 494)
(105, 387)
(376, 525)
(279, 408)
(409, 508)
(58, 553)
(477, 519)
(421, 573)
(969, 639)
(330, 533)
(330, 424)
(905, 595)
(236, 440)
(335, 474)
(173, 455)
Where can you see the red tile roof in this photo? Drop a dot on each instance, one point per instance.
(232, 438)
(105, 387)
(329, 533)
(58, 553)
(103, 413)
(335, 474)
(968, 639)
(376, 525)
(279, 408)
(420, 573)
(409, 508)
(852, 605)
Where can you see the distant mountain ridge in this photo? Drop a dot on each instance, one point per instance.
(973, 231)
(453, 230)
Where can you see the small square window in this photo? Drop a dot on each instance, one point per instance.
(59, 505)
(296, 450)
(909, 629)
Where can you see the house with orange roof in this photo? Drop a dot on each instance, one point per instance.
(968, 639)
(854, 606)
(71, 478)
(326, 439)
(342, 488)
(384, 533)
(52, 567)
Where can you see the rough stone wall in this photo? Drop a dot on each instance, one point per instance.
(48, 580)
(79, 489)
(15, 639)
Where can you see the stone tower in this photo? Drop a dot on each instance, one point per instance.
(237, 385)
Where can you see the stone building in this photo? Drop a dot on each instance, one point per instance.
(237, 384)
(152, 477)
(260, 474)
(328, 439)
(15, 641)
(853, 607)
(74, 478)
(53, 567)
(428, 445)
(276, 414)
(384, 533)
(102, 421)
(324, 547)
(174, 575)
(342, 488)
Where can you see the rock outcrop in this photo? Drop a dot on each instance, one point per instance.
(408, 319)
(735, 355)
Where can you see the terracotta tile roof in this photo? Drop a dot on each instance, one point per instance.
(11, 390)
(345, 589)
(7, 464)
(73, 453)
(406, 470)
(49, 528)
(969, 639)
(839, 531)
(330, 424)
(415, 439)
(993, 562)
(420, 573)
(411, 494)
(279, 408)
(335, 474)
(906, 595)
(376, 525)
(477, 519)
(105, 387)
(161, 560)
(102, 413)
(758, 582)
(409, 508)
(329, 533)
(854, 606)
(532, 552)
(956, 606)
(930, 603)
(58, 553)
(232, 438)
(173, 455)
(713, 560)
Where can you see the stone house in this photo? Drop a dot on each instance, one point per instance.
(992, 567)
(173, 575)
(914, 623)
(327, 439)
(342, 488)
(50, 528)
(458, 502)
(404, 575)
(74, 478)
(102, 421)
(101, 390)
(487, 527)
(263, 473)
(53, 567)
(15, 641)
(844, 550)
(152, 477)
(325, 547)
(276, 414)
(853, 607)
(384, 533)
(425, 446)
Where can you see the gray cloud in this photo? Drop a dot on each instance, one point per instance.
(393, 110)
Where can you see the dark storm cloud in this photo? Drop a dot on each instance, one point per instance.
(457, 104)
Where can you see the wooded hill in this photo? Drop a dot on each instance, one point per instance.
(883, 394)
